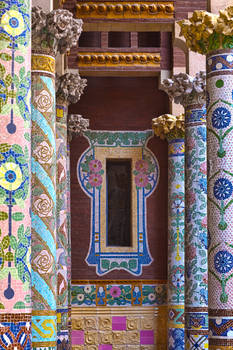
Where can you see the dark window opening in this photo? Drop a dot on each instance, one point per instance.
(119, 202)
(90, 39)
(148, 39)
(119, 39)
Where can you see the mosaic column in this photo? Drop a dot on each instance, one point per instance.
(215, 39)
(190, 93)
(172, 128)
(15, 132)
(69, 88)
(51, 33)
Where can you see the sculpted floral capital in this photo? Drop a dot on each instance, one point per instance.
(57, 30)
(169, 126)
(70, 87)
(186, 90)
(206, 31)
(77, 125)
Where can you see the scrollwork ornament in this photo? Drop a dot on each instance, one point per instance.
(57, 30)
(186, 90)
(70, 87)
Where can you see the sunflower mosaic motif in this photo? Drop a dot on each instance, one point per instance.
(91, 173)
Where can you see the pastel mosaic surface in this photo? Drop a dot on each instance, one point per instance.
(176, 217)
(15, 331)
(44, 281)
(196, 274)
(220, 191)
(114, 332)
(118, 294)
(91, 175)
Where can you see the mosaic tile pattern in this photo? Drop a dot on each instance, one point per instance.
(44, 281)
(111, 332)
(117, 294)
(196, 265)
(176, 215)
(69, 239)
(220, 197)
(15, 222)
(91, 176)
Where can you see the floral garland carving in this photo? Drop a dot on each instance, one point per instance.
(169, 126)
(206, 31)
(77, 125)
(186, 90)
(70, 87)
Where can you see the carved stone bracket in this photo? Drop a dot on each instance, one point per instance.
(169, 126)
(186, 90)
(76, 125)
(56, 31)
(206, 31)
(69, 87)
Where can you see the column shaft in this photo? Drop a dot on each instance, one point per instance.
(44, 276)
(176, 214)
(62, 230)
(69, 240)
(196, 267)
(220, 197)
(15, 131)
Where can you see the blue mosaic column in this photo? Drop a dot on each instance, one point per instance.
(196, 259)
(220, 196)
(172, 128)
(44, 275)
(15, 179)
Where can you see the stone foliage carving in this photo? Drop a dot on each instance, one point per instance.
(70, 87)
(168, 126)
(186, 90)
(57, 30)
(77, 125)
(206, 31)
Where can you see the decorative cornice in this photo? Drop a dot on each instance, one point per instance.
(205, 32)
(169, 126)
(87, 59)
(186, 90)
(54, 32)
(77, 125)
(69, 87)
(124, 9)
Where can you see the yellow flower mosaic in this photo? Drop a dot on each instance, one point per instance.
(12, 22)
(10, 176)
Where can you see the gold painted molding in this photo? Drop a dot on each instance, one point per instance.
(114, 311)
(112, 59)
(124, 9)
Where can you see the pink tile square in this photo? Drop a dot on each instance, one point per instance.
(146, 337)
(105, 347)
(77, 337)
(118, 323)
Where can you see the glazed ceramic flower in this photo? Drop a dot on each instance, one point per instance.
(204, 222)
(44, 153)
(141, 180)
(221, 118)
(223, 261)
(203, 168)
(115, 292)
(80, 297)
(151, 297)
(12, 22)
(43, 205)
(222, 189)
(10, 176)
(95, 165)
(44, 101)
(87, 289)
(95, 180)
(44, 262)
(141, 166)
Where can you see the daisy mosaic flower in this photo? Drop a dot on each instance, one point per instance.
(141, 166)
(141, 180)
(221, 118)
(95, 165)
(222, 189)
(12, 22)
(223, 261)
(10, 176)
(115, 291)
(95, 180)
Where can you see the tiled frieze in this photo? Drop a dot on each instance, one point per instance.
(105, 293)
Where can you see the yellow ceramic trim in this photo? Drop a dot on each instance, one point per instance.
(103, 153)
(43, 63)
(115, 59)
(124, 9)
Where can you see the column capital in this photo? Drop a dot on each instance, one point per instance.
(205, 31)
(77, 125)
(69, 87)
(185, 89)
(169, 126)
(56, 31)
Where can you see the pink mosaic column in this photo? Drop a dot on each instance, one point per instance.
(15, 144)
